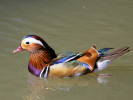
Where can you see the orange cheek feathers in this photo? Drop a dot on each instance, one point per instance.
(29, 47)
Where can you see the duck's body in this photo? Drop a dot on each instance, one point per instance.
(45, 63)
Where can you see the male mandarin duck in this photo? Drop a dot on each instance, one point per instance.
(44, 62)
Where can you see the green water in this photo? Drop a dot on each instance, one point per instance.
(66, 25)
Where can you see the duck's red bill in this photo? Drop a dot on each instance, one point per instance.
(18, 49)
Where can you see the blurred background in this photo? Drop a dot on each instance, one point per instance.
(66, 25)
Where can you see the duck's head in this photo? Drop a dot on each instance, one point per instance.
(33, 43)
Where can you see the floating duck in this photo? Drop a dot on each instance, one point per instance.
(44, 62)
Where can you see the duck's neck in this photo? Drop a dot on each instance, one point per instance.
(39, 60)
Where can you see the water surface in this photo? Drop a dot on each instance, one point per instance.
(67, 25)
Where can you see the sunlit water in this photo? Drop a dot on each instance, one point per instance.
(67, 25)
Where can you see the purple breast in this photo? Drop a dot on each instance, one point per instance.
(33, 70)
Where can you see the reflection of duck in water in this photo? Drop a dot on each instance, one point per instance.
(45, 63)
(46, 88)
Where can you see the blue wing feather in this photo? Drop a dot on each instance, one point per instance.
(65, 57)
(101, 51)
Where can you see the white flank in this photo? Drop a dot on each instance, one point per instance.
(102, 65)
(32, 40)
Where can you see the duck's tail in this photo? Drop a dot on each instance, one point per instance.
(106, 59)
(116, 54)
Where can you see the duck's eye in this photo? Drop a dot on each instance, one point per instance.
(27, 42)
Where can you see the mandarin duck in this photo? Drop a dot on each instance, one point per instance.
(44, 62)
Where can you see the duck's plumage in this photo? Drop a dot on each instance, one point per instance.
(44, 62)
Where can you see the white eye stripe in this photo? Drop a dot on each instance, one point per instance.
(32, 40)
